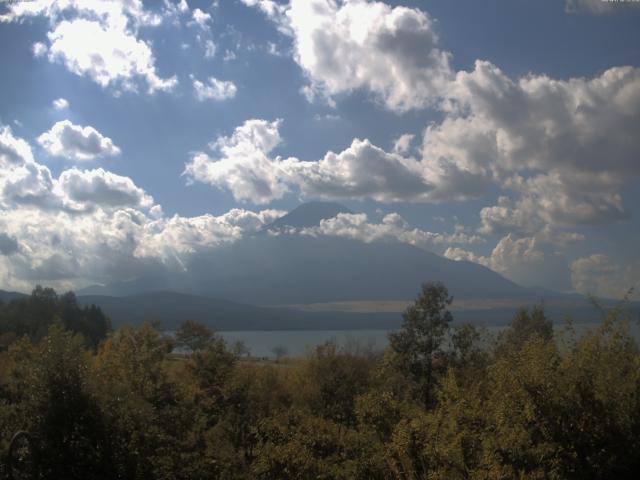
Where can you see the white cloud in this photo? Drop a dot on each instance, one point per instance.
(22, 180)
(214, 89)
(100, 246)
(99, 40)
(507, 251)
(602, 276)
(210, 49)
(229, 55)
(73, 250)
(93, 226)
(362, 170)
(120, 13)
(565, 147)
(599, 7)
(273, 49)
(242, 164)
(85, 189)
(172, 11)
(505, 217)
(60, 104)
(200, 18)
(75, 142)
(244, 167)
(402, 145)
(392, 228)
(269, 7)
(25, 183)
(174, 239)
(112, 57)
(329, 117)
(39, 49)
(344, 46)
(526, 261)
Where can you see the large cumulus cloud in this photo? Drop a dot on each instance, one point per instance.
(94, 226)
(564, 147)
(98, 39)
(88, 226)
(342, 46)
(76, 142)
(601, 275)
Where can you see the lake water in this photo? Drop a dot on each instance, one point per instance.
(299, 342)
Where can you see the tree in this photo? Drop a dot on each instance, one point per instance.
(332, 379)
(524, 327)
(147, 416)
(193, 335)
(240, 349)
(279, 351)
(64, 417)
(415, 346)
(34, 314)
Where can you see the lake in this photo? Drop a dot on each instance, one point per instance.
(298, 342)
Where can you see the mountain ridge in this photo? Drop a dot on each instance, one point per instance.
(288, 268)
(307, 214)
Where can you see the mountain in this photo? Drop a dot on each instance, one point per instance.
(123, 288)
(6, 297)
(286, 268)
(308, 215)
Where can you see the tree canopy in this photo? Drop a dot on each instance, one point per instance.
(440, 402)
(32, 316)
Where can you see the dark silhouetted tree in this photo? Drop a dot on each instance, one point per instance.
(415, 346)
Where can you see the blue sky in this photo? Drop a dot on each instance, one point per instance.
(523, 116)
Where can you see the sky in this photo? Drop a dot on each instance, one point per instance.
(134, 135)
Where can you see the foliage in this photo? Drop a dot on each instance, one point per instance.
(417, 344)
(436, 404)
(193, 335)
(33, 315)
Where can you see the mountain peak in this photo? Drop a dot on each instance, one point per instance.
(308, 215)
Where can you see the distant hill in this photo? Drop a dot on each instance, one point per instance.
(265, 269)
(8, 296)
(171, 308)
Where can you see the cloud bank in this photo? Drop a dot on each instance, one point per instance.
(98, 39)
(76, 142)
(94, 226)
(393, 53)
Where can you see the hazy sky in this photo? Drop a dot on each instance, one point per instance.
(503, 132)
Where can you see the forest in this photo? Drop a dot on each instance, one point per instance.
(442, 401)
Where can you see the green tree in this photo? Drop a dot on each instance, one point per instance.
(296, 445)
(523, 327)
(148, 416)
(193, 335)
(33, 315)
(330, 381)
(417, 344)
(57, 408)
